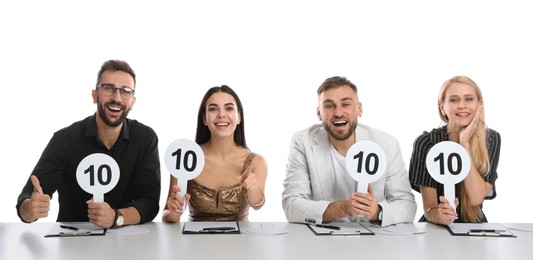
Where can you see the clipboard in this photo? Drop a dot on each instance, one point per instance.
(479, 229)
(225, 227)
(340, 229)
(75, 229)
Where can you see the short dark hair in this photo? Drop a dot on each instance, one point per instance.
(115, 65)
(334, 82)
(202, 131)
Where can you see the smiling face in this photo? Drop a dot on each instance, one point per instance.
(221, 116)
(459, 104)
(114, 109)
(338, 109)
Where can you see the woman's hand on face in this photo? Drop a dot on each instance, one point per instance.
(470, 129)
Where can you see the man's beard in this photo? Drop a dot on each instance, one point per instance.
(340, 137)
(108, 121)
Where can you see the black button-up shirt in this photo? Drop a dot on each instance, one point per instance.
(135, 151)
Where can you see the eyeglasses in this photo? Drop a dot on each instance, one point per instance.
(109, 90)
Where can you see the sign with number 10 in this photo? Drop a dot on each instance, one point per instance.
(366, 162)
(185, 160)
(448, 163)
(97, 174)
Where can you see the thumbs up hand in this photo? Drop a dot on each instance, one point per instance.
(38, 205)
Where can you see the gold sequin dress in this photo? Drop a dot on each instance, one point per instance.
(226, 204)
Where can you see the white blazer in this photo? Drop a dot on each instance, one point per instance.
(308, 185)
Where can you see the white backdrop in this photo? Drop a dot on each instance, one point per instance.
(274, 54)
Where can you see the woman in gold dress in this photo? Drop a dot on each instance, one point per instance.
(233, 178)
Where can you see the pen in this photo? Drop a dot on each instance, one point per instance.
(340, 233)
(485, 230)
(68, 227)
(328, 226)
(75, 233)
(218, 228)
(483, 233)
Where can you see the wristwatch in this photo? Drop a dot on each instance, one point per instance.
(119, 219)
(380, 215)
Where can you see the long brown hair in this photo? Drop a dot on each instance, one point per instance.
(203, 134)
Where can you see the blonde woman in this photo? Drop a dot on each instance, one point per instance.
(460, 106)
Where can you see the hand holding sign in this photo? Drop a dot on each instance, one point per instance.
(97, 174)
(184, 160)
(448, 163)
(366, 163)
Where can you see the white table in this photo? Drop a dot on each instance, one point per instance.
(20, 241)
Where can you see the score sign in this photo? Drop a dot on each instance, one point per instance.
(448, 163)
(97, 174)
(366, 163)
(185, 160)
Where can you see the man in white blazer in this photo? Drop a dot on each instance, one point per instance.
(317, 186)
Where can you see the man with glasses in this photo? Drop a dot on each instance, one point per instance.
(134, 147)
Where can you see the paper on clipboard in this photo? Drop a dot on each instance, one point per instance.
(75, 229)
(340, 229)
(479, 229)
(201, 227)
